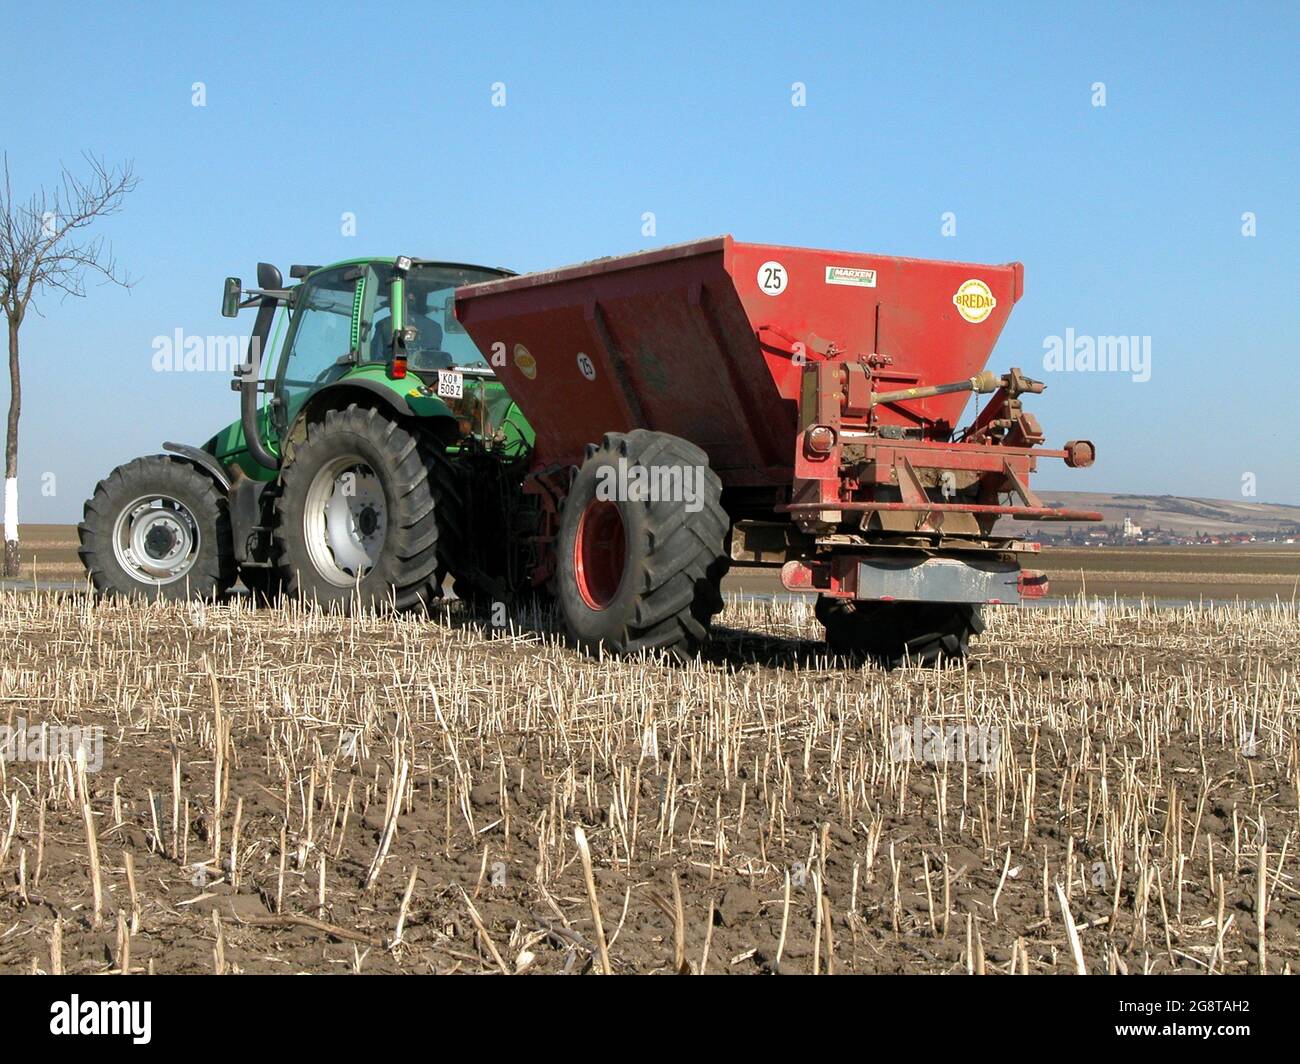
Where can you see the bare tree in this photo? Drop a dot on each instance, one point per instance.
(45, 246)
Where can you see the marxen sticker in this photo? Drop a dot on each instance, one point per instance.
(974, 301)
(851, 275)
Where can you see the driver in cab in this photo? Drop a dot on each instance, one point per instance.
(425, 352)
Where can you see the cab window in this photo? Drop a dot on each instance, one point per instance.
(320, 338)
(441, 342)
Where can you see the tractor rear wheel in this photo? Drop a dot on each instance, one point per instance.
(157, 527)
(359, 514)
(634, 570)
(894, 633)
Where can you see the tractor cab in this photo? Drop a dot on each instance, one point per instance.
(383, 325)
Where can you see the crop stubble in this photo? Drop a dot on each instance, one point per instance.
(285, 790)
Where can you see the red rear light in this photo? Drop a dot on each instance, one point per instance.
(397, 369)
(1031, 583)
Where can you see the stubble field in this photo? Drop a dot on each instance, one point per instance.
(1107, 788)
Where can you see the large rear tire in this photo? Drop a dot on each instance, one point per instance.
(635, 573)
(358, 515)
(894, 633)
(158, 527)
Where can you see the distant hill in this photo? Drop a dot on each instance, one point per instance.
(1177, 514)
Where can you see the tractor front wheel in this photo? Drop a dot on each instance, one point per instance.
(358, 518)
(640, 553)
(897, 633)
(157, 527)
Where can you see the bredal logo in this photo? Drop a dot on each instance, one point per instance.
(974, 301)
(524, 362)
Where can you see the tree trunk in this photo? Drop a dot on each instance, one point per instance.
(11, 456)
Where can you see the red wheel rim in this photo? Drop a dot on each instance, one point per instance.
(600, 553)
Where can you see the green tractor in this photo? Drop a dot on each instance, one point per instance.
(377, 456)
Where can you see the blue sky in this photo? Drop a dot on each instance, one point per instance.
(1128, 217)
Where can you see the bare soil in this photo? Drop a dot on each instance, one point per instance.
(1145, 761)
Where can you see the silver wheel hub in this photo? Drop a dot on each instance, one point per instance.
(345, 520)
(156, 539)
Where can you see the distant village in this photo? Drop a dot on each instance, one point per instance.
(1130, 534)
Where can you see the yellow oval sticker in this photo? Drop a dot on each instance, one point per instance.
(974, 301)
(524, 362)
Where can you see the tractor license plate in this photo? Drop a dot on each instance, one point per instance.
(451, 384)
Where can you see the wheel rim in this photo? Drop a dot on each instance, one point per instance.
(156, 539)
(345, 520)
(600, 553)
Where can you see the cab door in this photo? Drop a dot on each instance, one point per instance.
(322, 341)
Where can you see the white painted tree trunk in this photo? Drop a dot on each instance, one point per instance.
(11, 510)
(11, 454)
(11, 522)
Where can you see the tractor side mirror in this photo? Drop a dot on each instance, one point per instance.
(230, 298)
